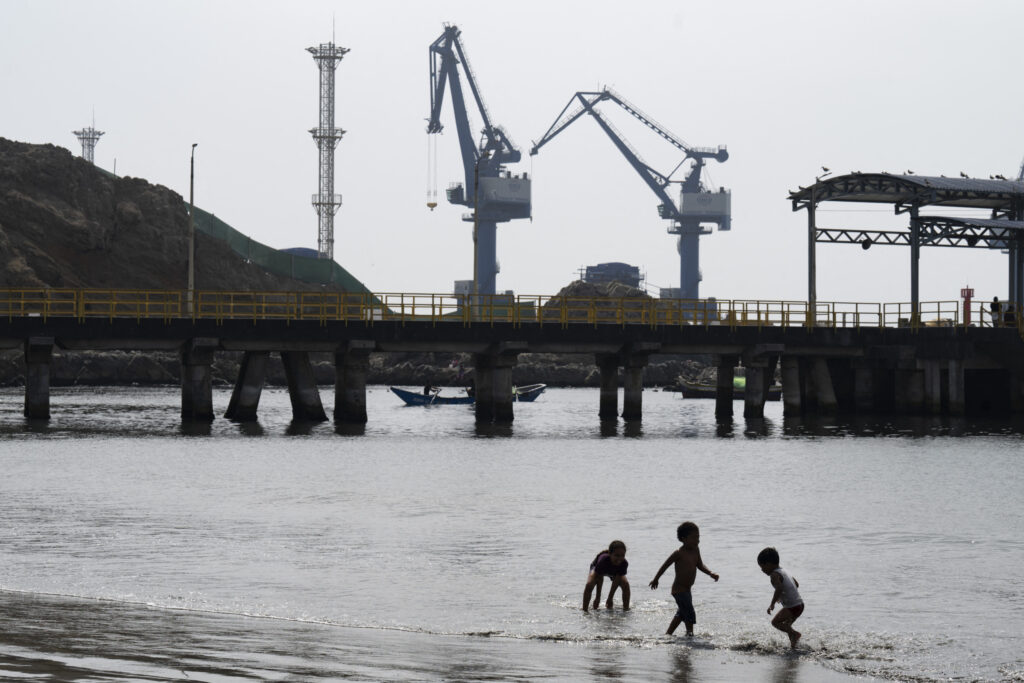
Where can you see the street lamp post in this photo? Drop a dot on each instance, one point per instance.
(191, 230)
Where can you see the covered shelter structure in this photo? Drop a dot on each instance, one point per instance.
(910, 194)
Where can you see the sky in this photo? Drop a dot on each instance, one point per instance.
(790, 86)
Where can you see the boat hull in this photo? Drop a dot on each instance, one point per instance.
(710, 391)
(414, 398)
(527, 393)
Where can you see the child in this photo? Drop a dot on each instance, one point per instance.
(611, 563)
(687, 560)
(785, 592)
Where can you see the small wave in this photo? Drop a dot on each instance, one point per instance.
(1011, 673)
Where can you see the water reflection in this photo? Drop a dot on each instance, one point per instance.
(37, 426)
(606, 665)
(195, 427)
(914, 426)
(300, 427)
(610, 427)
(787, 670)
(757, 427)
(724, 428)
(682, 669)
(250, 428)
(492, 429)
(350, 428)
(633, 428)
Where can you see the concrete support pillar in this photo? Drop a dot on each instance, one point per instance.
(755, 390)
(493, 372)
(306, 405)
(821, 385)
(351, 364)
(483, 388)
(792, 404)
(1016, 393)
(245, 398)
(633, 391)
(863, 388)
(502, 396)
(931, 375)
(909, 390)
(634, 359)
(608, 364)
(723, 385)
(196, 387)
(38, 352)
(957, 404)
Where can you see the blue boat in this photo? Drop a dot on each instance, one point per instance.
(529, 392)
(434, 398)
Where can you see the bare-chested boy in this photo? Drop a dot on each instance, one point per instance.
(687, 560)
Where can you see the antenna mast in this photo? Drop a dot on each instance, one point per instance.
(326, 136)
(89, 137)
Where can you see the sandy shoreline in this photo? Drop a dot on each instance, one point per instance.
(75, 640)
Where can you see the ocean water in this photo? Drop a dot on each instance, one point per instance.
(424, 547)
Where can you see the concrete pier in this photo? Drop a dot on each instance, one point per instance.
(820, 384)
(196, 387)
(909, 389)
(957, 405)
(608, 365)
(38, 352)
(635, 357)
(863, 386)
(306, 405)
(792, 388)
(931, 376)
(245, 397)
(754, 391)
(351, 367)
(493, 391)
(825, 368)
(724, 385)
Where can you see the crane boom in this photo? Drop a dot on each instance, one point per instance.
(495, 148)
(696, 205)
(492, 192)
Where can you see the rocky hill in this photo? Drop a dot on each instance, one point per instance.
(67, 223)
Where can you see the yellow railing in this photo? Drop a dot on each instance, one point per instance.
(449, 308)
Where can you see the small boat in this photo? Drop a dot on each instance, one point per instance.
(530, 392)
(434, 398)
(694, 390)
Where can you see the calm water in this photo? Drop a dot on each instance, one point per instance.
(133, 548)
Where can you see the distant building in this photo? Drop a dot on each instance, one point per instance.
(613, 272)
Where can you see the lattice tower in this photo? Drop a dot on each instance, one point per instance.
(326, 203)
(88, 137)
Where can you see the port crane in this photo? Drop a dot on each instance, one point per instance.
(493, 193)
(697, 205)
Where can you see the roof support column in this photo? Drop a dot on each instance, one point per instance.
(1016, 274)
(1016, 292)
(915, 257)
(812, 265)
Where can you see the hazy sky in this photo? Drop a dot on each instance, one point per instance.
(790, 86)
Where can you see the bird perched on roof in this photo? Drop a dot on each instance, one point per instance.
(826, 169)
(1000, 177)
(909, 172)
(964, 175)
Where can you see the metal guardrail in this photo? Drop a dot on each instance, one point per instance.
(483, 309)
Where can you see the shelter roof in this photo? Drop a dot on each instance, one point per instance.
(984, 223)
(908, 189)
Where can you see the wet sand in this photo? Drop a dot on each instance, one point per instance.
(66, 639)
